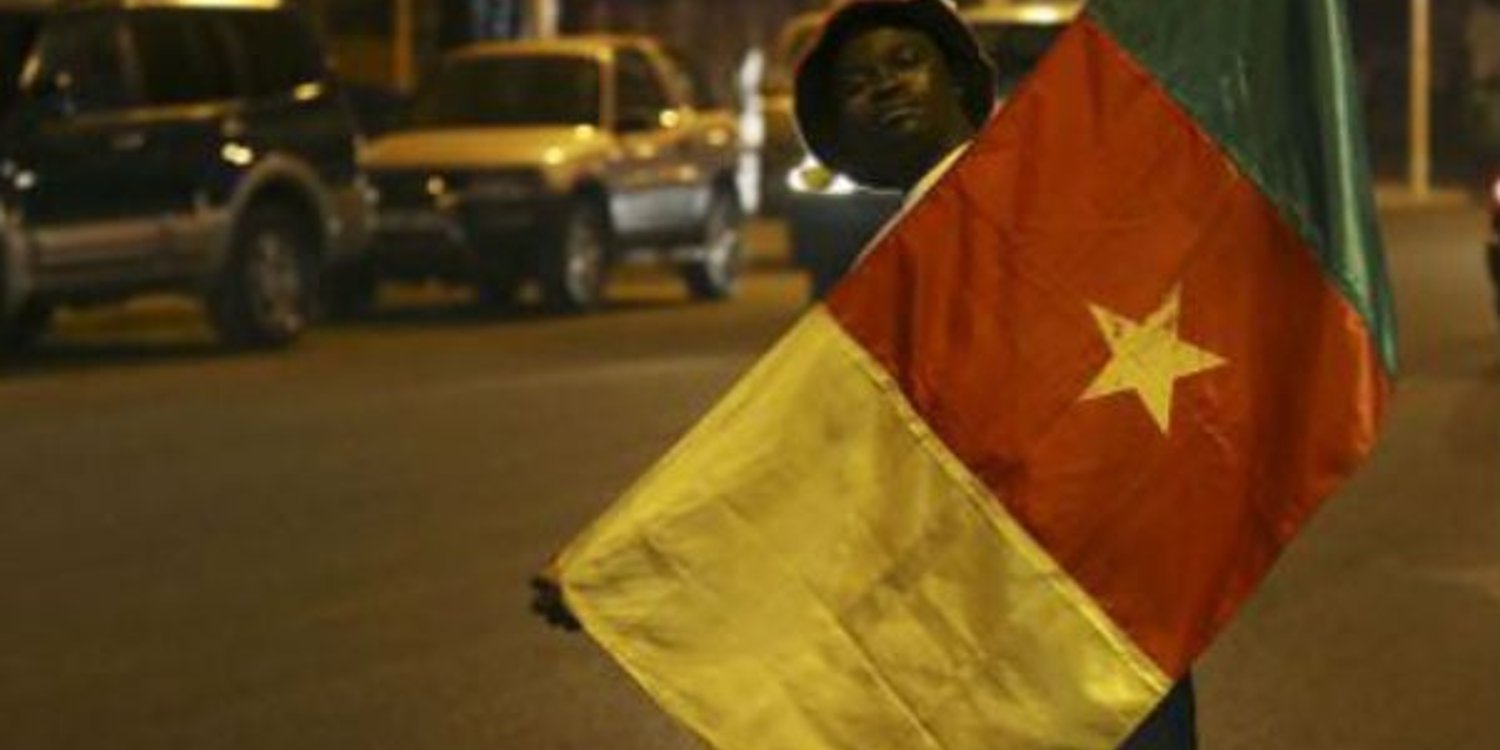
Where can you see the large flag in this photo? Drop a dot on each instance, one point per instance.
(1029, 458)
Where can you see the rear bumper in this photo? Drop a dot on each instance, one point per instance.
(429, 242)
(408, 250)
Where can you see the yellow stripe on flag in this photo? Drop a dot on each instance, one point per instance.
(811, 568)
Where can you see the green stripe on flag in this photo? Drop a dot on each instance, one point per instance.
(1273, 82)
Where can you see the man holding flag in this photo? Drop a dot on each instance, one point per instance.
(1010, 479)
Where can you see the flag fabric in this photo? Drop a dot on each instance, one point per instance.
(1012, 477)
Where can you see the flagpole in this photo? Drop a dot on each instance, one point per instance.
(1419, 151)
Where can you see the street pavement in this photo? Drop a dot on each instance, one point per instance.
(328, 547)
(1380, 628)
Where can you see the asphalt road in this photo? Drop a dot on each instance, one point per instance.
(328, 548)
(1380, 628)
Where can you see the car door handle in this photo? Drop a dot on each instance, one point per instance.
(128, 141)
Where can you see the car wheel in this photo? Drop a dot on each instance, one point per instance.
(350, 291)
(23, 329)
(575, 271)
(264, 292)
(715, 273)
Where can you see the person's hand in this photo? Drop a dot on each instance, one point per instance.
(547, 601)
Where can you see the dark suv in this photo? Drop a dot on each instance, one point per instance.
(171, 146)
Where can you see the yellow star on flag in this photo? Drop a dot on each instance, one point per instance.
(1148, 358)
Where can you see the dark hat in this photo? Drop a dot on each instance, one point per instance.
(815, 101)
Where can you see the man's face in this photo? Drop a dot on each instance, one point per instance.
(898, 110)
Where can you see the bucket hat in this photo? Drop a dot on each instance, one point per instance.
(814, 98)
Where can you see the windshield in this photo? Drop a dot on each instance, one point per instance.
(544, 90)
(17, 36)
(1015, 48)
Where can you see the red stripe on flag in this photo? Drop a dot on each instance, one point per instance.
(1094, 191)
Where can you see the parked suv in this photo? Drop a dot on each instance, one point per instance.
(553, 160)
(149, 145)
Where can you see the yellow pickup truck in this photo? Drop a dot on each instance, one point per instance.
(552, 161)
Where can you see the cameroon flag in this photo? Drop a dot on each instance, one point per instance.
(1004, 486)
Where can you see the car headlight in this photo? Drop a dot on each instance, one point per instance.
(812, 177)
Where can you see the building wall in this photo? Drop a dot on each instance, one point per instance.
(361, 33)
(1381, 30)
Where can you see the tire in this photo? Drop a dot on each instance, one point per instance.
(22, 330)
(576, 268)
(350, 292)
(264, 294)
(715, 274)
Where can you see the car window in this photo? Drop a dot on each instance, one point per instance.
(639, 90)
(280, 50)
(510, 90)
(181, 61)
(1015, 48)
(81, 64)
(17, 39)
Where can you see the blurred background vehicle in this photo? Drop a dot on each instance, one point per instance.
(829, 218)
(151, 146)
(781, 146)
(554, 160)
